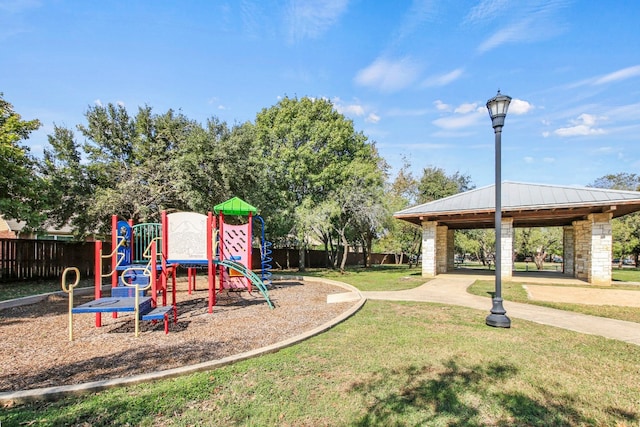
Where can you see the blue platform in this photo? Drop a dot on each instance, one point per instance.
(114, 304)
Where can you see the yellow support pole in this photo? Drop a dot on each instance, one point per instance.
(69, 290)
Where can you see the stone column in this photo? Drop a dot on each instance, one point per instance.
(601, 245)
(506, 249)
(568, 251)
(593, 243)
(429, 248)
(451, 253)
(441, 248)
(582, 246)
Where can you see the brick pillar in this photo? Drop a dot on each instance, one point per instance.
(582, 248)
(593, 243)
(506, 248)
(601, 245)
(429, 248)
(441, 248)
(451, 252)
(568, 251)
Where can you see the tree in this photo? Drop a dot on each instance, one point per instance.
(538, 243)
(436, 184)
(130, 162)
(306, 147)
(625, 230)
(620, 181)
(19, 183)
(401, 237)
(69, 190)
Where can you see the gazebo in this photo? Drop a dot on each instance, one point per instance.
(584, 213)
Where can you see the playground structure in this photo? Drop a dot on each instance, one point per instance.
(145, 257)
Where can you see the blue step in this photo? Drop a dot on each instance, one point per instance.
(157, 313)
(124, 292)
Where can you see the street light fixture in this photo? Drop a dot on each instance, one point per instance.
(498, 106)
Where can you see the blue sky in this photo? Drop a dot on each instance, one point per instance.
(414, 76)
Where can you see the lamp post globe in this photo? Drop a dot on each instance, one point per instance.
(498, 107)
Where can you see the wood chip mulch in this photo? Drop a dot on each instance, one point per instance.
(36, 351)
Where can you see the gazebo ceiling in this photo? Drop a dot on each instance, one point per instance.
(530, 205)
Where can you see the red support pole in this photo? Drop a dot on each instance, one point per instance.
(114, 257)
(97, 268)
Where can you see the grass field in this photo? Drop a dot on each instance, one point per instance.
(392, 364)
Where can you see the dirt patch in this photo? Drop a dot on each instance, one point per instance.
(574, 295)
(36, 351)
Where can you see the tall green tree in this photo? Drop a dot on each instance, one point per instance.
(69, 190)
(626, 229)
(20, 185)
(306, 146)
(436, 184)
(401, 237)
(130, 161)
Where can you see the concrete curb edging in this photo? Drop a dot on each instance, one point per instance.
(53, 393)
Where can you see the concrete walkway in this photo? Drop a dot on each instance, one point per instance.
(452, 289)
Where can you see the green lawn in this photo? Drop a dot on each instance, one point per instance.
(23, 289)
(376, 278)
(626, 274)
(391, 364)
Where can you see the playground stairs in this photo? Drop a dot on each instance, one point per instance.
(123, 299)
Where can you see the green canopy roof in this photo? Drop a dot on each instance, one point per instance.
(235, 206)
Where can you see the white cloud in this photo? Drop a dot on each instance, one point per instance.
(623, 74)
(441, 106)
(528, 159)
(98, 103)
(457, 121)
(355, 109)
(549, 159)
(120, 103)
(464, 115)
(387, 75)
(312, 18)
(519, 106)
(443, 79)
(510, 34)
(466, 108)
(523, 22)
(487, 10)
(584, 125)
(372, 118)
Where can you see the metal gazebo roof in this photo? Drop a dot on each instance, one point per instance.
(530, 205)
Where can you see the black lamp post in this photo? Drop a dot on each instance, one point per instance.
(498, 106)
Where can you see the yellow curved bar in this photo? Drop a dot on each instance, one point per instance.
(69, 290)
(146, 272)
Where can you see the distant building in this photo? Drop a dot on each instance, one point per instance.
(12, 229)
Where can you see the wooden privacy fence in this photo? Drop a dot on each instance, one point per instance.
(46, 259)
(43, 259)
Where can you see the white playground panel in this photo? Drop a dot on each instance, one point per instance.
(187, 236)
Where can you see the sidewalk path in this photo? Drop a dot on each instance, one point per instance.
(452, 290)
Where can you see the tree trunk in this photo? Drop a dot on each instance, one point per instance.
(301, 263)
(539, 259)
(345, 253)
